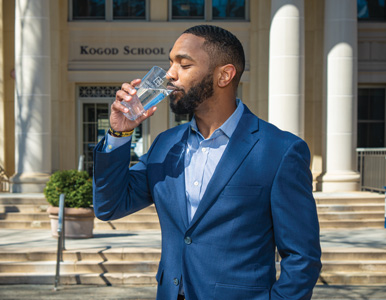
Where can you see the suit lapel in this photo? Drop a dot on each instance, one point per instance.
(242, 141)
(177, 154)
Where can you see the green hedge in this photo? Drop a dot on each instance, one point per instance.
(77, 186)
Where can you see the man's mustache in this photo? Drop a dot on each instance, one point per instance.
(171, 86)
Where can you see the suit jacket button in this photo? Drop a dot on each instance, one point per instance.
(188, 240)
(176, 281)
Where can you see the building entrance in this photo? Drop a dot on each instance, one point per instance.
(94, 104)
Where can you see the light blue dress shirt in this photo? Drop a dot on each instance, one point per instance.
(201, 157)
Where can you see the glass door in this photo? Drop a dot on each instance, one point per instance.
(94, 104)
(95, 125)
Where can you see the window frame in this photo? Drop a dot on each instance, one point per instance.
(109, 14)
(208, 14)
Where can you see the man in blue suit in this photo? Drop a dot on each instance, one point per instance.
(228, 187)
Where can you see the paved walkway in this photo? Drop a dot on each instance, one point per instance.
(20, 240)
(27, 239)
(81, 292)
(35, 239)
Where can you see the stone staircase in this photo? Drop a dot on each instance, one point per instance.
(89, 266)
(18, 211)
(350, 210)
(137, 266)
(353, 266)
(115, 266)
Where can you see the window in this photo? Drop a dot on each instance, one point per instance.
(371, 10)
(88, 9)
(228, 9)
(125, 9)
(209, 10)
(108, 10)
(371, 117)
(185, 9)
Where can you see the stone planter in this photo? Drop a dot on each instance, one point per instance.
(79, 222)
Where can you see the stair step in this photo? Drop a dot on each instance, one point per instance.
(95, 254)
(24, 216)
(25, 224)
(23, 208)
(322, 208)
(373, 266)
(98, 225)
(349, 198)
(353, 254)
(352, 278)
(352, 224)
(80, 267)
(16, 199)
(43, 216)
(350, 201)
(126, 225)
(359, 216)
(36, 208)
(138, 279)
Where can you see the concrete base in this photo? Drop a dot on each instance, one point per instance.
(28, 182)
(338, 182)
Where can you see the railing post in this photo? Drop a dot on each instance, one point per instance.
(80, 163)
(372, 168)
(61, 226)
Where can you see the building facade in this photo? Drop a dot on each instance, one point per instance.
(315, 68)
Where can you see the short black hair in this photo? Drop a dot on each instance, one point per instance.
(222, 46)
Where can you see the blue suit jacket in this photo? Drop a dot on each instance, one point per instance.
(260, 197)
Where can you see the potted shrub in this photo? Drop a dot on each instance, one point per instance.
(78, 211)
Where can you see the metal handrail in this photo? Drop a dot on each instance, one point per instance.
(81, 163)
(61, 238)
(372, 168)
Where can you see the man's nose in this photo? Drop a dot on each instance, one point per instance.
(171, 74)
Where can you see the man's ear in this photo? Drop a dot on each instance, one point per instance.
(226, 74)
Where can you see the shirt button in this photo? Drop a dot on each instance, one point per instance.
(110, 147)
(176, 281)
(195, 183)
(188, 240)
(204, 149)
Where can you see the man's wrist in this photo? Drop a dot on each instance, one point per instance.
(114, 133)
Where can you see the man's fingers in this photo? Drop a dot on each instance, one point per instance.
(147, 114)
(122, 95)
(130, 87)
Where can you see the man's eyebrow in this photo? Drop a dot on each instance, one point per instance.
(182, 56)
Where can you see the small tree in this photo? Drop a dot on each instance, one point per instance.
(76, 185)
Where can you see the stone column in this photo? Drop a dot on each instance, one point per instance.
(32, 96)
(286, 66)
(340, 97)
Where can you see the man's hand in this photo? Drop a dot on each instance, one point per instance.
(118, 121)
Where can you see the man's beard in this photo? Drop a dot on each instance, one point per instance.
(197, 94)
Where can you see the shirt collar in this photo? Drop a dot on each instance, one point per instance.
(229, 126)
